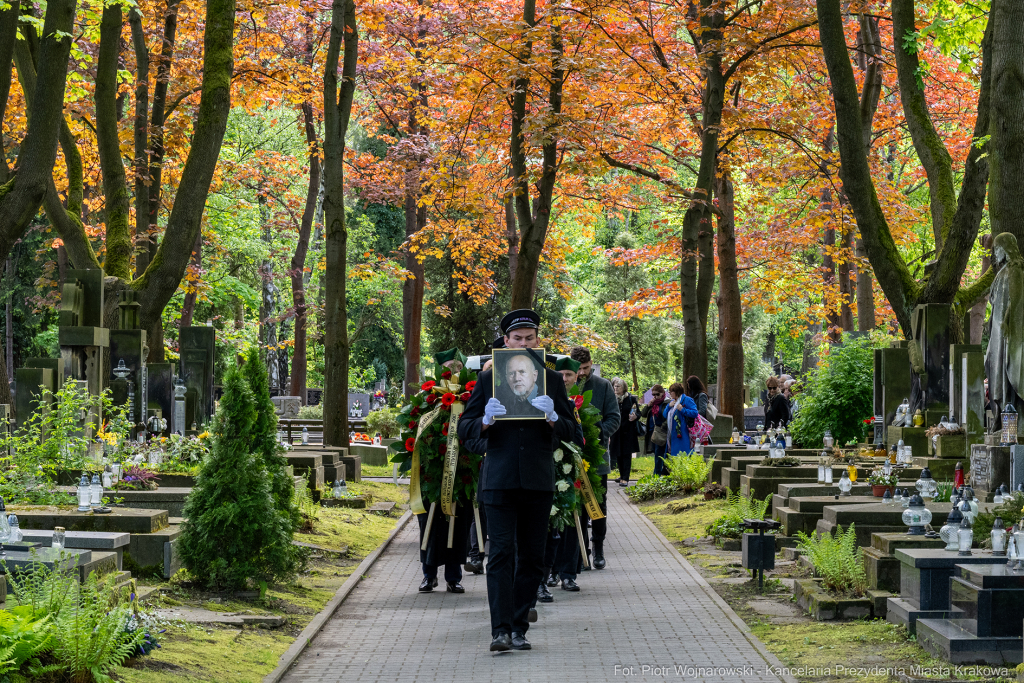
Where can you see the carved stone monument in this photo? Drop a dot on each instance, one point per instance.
(197, 346)
(1004, 358)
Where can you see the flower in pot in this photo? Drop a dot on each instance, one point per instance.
(881, 481)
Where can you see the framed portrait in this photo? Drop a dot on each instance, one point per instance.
(519, 377)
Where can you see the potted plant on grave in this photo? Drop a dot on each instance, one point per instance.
(882, 482)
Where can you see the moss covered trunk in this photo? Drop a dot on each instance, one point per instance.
(730, 307)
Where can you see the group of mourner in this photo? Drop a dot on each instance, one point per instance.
(519, 415)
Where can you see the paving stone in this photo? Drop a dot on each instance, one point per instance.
(649, 607)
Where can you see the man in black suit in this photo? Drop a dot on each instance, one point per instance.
(516, 486)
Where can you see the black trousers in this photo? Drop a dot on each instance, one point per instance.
(517, 527)
(568, 559)
(600, 526)
(550, 554)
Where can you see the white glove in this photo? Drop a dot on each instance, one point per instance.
(544, 404)
(492, 410)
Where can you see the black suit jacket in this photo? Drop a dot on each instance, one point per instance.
(519, 452)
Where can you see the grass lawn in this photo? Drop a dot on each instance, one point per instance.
(641, 465)
(193, 652)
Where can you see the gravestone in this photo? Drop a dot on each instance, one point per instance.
(81, 334)
(198, 352)
(991, 466)
(931, 325)
(364, 404)
(29, 383)
(160, 400)
(971, 414)
(128, 344)
(892, 381)
(956, 378)
(1017, 466)
(286, 407)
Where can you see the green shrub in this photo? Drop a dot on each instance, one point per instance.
(282, 486)
(312, 412)
(1010, 511)
(737, 509)
(838, 395)
(233, 533)
(651, 486)
(837, 560)
(688, 471)
(383, 421)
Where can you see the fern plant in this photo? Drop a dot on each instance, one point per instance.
(737, 508)
(24, 637)
(688, 471)
(91, 638)
(42, 589)
(837, 560)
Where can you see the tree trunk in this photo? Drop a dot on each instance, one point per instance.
(698, 217)
(188, 308)
(337, 110)
(156, 140)
(141, 129)
(846, 287)
(512, 236)
(115, 186)
(1006, 151)
(298, 264)
(534, 217)
(632, 354)
(730, 306)
(21, 196)
(977, 319)
(865, 291)
(8, 37)
(415, 220)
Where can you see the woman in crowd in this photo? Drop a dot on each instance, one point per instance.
(776, 411)
(695, 389)
(624, 442)
(656, 413)
(682, 415)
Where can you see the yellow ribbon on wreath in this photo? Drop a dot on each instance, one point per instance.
(451, 456)
(587, 491)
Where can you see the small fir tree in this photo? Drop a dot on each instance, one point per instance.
(233, 533)
(265, 445)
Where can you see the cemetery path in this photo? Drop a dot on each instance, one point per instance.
(648, 608)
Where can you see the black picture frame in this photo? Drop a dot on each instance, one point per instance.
(516, 386)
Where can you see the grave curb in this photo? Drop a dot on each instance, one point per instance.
(770, 659)
(316, 625)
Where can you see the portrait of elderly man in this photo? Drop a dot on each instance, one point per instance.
(519, 381)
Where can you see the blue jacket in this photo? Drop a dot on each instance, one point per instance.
(678, 431)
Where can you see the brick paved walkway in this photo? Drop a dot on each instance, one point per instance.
(648, 607)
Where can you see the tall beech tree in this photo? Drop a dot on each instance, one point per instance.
(22, 188)
(956, 229)
(161, 277)
(339, 91)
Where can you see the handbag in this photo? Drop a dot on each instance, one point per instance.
(712, 410)
(659, 437)
(700, 432)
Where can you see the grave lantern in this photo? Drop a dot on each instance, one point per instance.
(735, 438)
(95, 492)
(887, 497)
(908, 455)
(121, 371)
(973, 500)
(5, 529)
(16, 535)
(340, 490)
(886, 468)
(950, 531)
(965, 508)
(916, 516)
(906, 498)
(997, 498)
(965, 537)
(108, 476)
(822, 459)
(926, 486)
(900, 448)
(1018, 536)
(305, 436)
(828, 474)
(958, 475)
(84, 493)
(828, 440)
(1009, 418)
(998, 537)
(897, 497)
(1011, 554)
(845, 484)
(852, 470)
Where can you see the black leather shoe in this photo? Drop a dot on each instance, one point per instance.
(544, 595)
(519, 642)
(532, 616)
(474, 566)
(501, 643)
(552, 581)
(598, 561)
(428, 585)
(623, 483)
(569, 585)
(454, 587)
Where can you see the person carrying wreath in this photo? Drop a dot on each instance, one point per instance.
(517, 485)
(437, 552)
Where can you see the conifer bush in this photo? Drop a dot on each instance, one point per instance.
(282, 486)
(233, 533)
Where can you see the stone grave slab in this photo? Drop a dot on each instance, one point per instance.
(193, 340)
(874, 518)
(286, 407)
(128, 520)
(925, 575)
(991, 466)
(85, 540)
(160, 390)
(880, 563)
